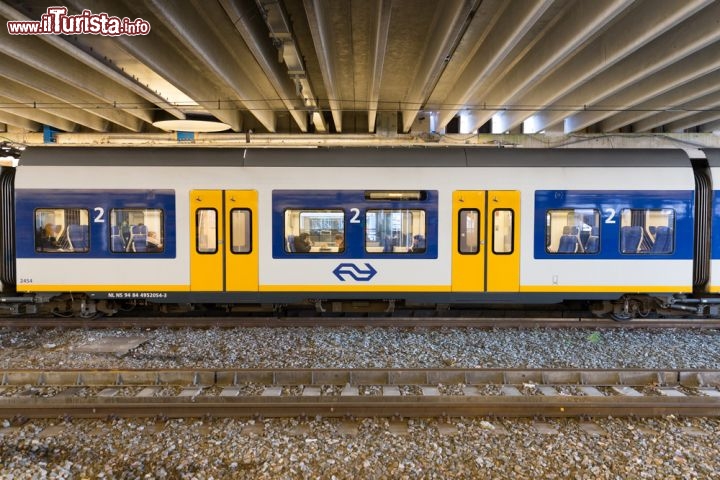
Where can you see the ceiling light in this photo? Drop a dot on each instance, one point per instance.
(191, 123)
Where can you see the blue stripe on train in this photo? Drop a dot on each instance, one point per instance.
(715, 234)
(99, 204)
(354, 206)
(610, 204)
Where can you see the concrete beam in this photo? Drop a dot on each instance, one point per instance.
(65, 70)
(29, 99)
(325, 49)
(22, 122)
(491, 51)
(47, 86)
(564, 39)
(663, 108)
(691, 121)
(448, 19)
(685, 39)
(571, 82)
(378, 44)
(208, 42)
(679, 112)
(712, 127)
(610, 141)
(134, 94)
(677, 75)
(161, 54)
(244, 16)
(34, 115)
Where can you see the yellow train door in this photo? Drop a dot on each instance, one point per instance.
(206, 237)
(486, 241)
(503, 246)
(241, 241)
(468, 246)
(223, 240)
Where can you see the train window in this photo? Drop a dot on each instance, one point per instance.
(65, 230)
(395, 231)
(574, 231)
(207, 230)
(469, 231)
(503, 231)
(240, 231)
(647, 231)
(314, 231)
(136, 230)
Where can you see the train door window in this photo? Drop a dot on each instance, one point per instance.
(503, 231)
(207, 230)
(314, 231)
(469, 231)
(395, 231)
(574, 231)
(240, 230)
(62, 230)
(647, 231)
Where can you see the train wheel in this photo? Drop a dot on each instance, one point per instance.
(624, 311)
(622, 316)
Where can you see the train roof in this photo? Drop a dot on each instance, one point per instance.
(354, 157)
(713, 156)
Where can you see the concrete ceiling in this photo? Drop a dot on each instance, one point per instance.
(359, 66)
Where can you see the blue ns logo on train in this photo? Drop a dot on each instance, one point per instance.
(353, 271)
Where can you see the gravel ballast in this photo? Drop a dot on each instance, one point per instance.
(665, 447)
(367, 348)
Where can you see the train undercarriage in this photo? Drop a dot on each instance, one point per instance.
(624, 308)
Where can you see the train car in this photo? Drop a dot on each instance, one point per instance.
(713, 242)
(88, 230)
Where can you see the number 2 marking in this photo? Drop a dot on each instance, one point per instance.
(611, 215)
(99, 217)
(356, 216)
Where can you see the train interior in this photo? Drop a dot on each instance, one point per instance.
(386, 231)
(642, 231)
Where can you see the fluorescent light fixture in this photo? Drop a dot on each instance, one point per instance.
(191, 123)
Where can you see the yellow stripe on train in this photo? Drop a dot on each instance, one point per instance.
(102, 288)
(263, 288)
(354, 288)
(606, 288)
(369, 288)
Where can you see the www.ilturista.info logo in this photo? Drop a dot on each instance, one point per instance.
(57, 22)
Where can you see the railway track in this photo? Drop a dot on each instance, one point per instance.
(354, 321)
(358, 393)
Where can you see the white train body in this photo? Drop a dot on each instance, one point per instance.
(522, 206)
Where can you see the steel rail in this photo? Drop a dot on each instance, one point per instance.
(408, 406)
(336, 321)
(674, 396)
